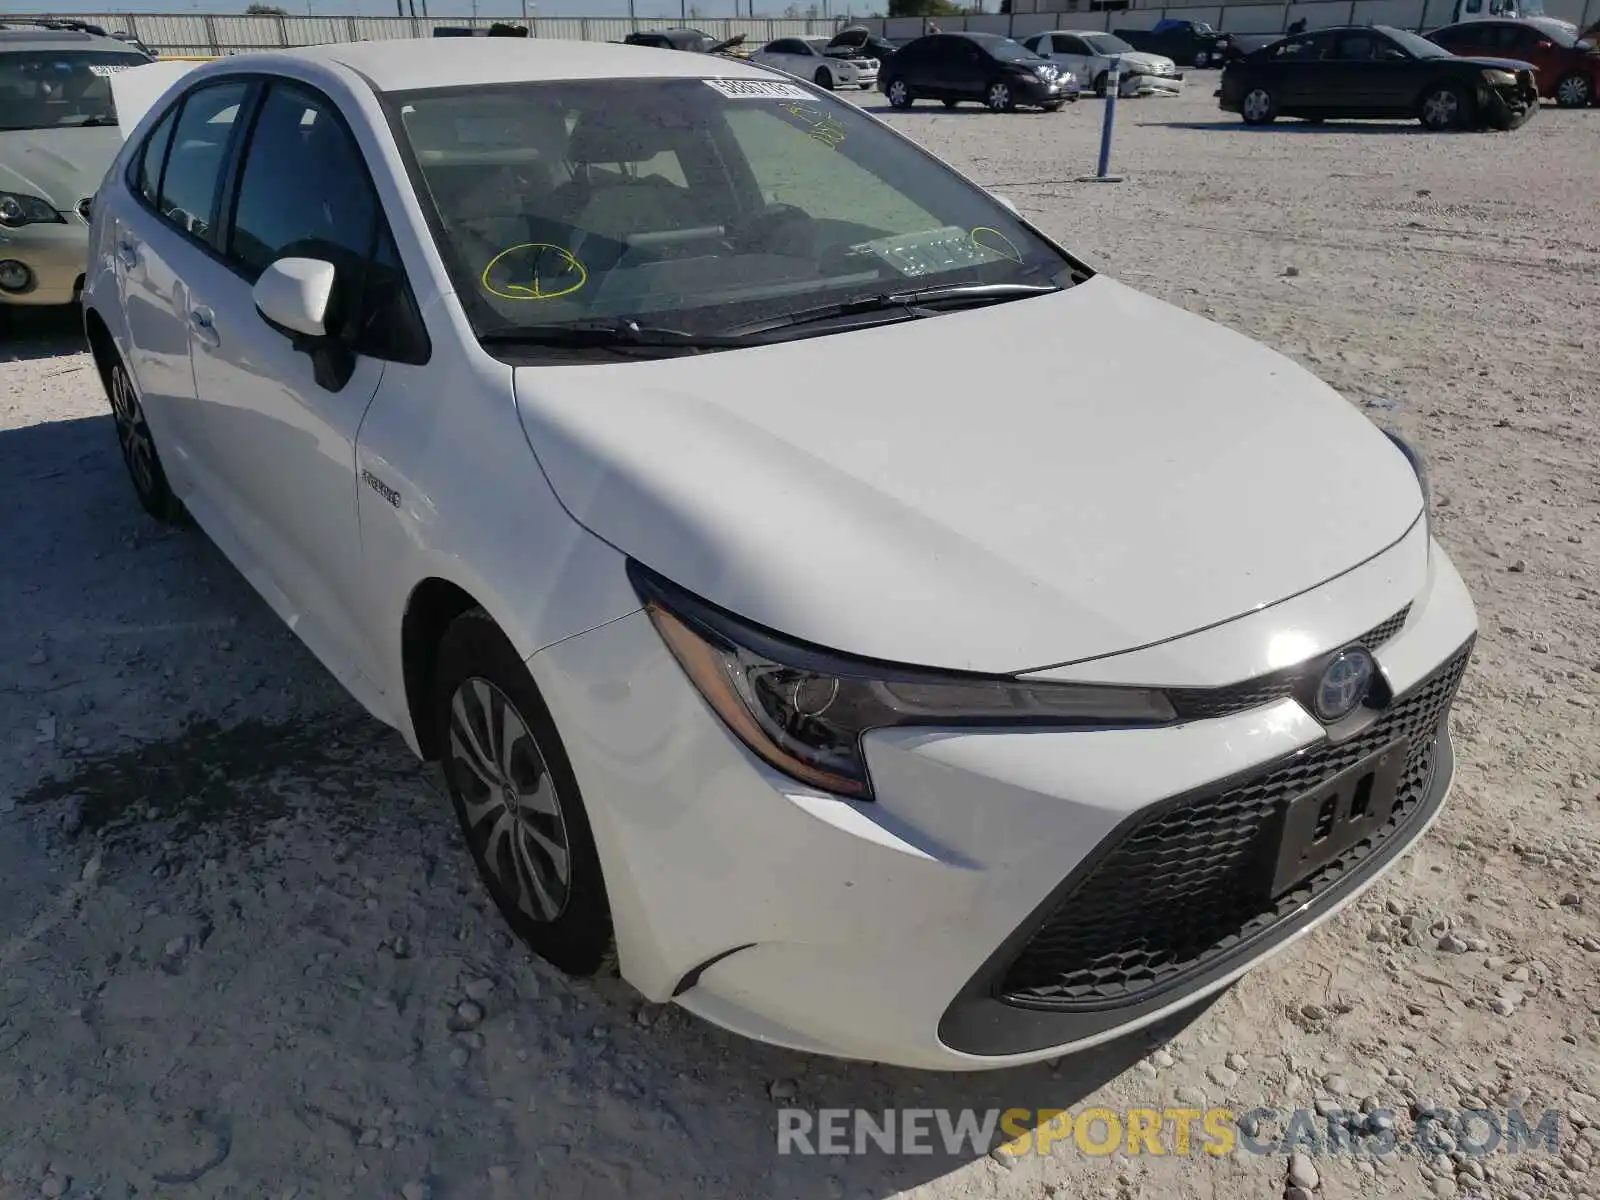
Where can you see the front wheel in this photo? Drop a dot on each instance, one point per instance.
(1100, 85)
(948, 103)
(1442, 108)
(900, 95)
(517, 799)
(1574, 91)
(998, 98)
(1258, 107)
(824, 79)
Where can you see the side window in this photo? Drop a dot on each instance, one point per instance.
(304, 188)
(1354, 47)
(192, 181)
(1033, 44)
(305, 192)
(1072, 45)
(152, 157)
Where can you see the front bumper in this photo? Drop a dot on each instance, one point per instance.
(1037, 91)
(916, 930)
(56, 256)
(1152, 85)
(1508, 107)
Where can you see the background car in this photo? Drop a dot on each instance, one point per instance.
(58, 134)
(1567, 66)
(1192, 43)
(696, 41)
(860, 40)
(1089, 55)
(1376, 72)
(810, 58)
(982, 67)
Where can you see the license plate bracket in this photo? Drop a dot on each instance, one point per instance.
(1325, 822)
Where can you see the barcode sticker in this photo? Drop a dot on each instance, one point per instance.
(757, 89)
(105, 71)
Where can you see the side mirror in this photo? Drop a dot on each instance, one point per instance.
(1009, 203)
(295, 296)
(1543, 45)
(294, 293)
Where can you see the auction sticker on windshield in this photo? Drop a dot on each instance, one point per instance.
(757, 89)
(105, 71)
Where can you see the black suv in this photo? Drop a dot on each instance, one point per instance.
(986, 67)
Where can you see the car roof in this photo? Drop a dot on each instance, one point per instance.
(417, 63)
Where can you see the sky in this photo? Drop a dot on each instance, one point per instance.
(650, 9)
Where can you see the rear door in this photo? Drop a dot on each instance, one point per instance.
(160, 246)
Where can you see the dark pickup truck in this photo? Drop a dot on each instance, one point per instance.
(1187, 43)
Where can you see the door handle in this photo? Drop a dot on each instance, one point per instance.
(203, 321)
(127, 254)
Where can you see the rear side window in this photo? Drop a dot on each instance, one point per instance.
(153, 157)
(304, 189)
(191, 185)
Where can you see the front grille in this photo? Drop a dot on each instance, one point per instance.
(1198, 704)
(1191, 880)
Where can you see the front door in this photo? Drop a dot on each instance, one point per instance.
(284, 438)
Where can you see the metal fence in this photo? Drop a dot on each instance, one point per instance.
(1231, 18)
(195, 33)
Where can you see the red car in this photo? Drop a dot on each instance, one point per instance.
(1567, 66)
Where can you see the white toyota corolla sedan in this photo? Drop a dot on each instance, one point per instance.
(929, 722)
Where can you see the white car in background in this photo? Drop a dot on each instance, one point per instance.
(1089, 55)
(807, 58)
(958, 727)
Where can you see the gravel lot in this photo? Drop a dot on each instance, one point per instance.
(237, 925)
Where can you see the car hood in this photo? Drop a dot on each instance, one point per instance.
(1001, 489)
(1143, 58)
(1498, 64)
(62, 165)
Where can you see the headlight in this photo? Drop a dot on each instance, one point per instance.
(1499, 78)
(1421, 469)
(17, 209)
(803, 709)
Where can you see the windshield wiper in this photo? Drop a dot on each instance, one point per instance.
(620, 335)
(910, 301)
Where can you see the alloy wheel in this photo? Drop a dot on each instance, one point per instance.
(999, 97)
(1573, 91)
(1257, 106)
(133, 433)
(1441, 109)
(899, 94)
(510, 807)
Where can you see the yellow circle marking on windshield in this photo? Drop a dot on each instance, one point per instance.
(826, 129)
(1009, 250)
(519, 291)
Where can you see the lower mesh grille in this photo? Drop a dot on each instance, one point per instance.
(1187, 883)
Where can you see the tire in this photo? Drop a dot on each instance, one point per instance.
(518, 804)
(948, 103)
(1443, 107)
(998, 98)
(1100, 85)
(1202, 58)
(138, 447)
(900, 95)
(1574, 91)
(823, 79)
(1258, 107)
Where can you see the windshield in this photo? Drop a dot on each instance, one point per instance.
(1107, 43)
(694, 204)
(1418, 46)
(46, 89)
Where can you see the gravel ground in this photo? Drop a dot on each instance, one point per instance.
(242, 952)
